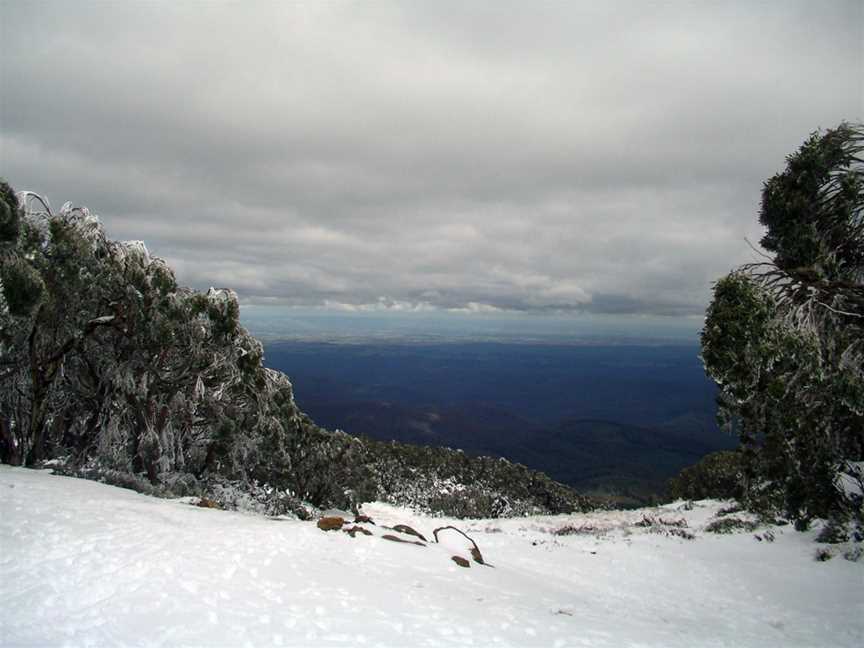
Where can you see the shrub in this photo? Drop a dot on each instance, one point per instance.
(716, 476)
(731, 525)
(834, 532)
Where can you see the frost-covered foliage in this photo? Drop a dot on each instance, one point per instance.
(784, 339)
(731, 525)
(107, 362)
(108, 357)
(716, 476)
(441, 480)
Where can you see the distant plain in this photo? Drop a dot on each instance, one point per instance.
(614, 408)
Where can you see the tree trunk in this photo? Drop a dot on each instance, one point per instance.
(38, 414)
(9, 451)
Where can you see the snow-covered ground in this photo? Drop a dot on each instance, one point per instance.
(84, 564)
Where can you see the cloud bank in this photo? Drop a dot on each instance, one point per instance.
(601, 157)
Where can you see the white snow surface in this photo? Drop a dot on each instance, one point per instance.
(85, 564)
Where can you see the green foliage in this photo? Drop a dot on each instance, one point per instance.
(716, 476)
(812, 210)
(22, 286)
(833, 532)
(730, 525)
(10, 225)
(736, 329)
(449, 482)
(784, 339)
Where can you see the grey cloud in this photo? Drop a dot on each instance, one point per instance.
(524, 156)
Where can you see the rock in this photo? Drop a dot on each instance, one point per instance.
(330, 523)
(208, 503)
(357, 529)
(363, 519)
(477, 556)
(404, 528)
(393, 538)
(462, 562)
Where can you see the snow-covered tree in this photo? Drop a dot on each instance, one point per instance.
(784, 338)
(49, 310)
(104, 354)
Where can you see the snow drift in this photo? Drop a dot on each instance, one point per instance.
(84, 564)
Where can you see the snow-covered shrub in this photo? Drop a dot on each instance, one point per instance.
(834, 532)
(448, 482)
(729, 510)
(731, 525)
(667, 527)
(715, 476)
(580, 529)
(94, 471)
(257, 498)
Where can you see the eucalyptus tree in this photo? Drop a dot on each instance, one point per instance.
(51, 275)
(784, 337)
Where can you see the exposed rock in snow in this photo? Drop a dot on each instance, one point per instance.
(459, 560)
(333, 523)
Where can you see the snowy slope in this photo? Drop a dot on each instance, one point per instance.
(86, 564)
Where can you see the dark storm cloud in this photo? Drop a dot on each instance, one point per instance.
(470, 156)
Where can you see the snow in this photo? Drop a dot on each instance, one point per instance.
(135, 249)
(85, 564)
(850, 480)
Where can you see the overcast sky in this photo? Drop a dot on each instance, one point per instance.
(577, 156)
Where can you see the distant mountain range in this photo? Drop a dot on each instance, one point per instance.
(610, 420)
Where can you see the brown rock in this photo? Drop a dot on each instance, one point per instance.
(459, 560)
(330, 523)
(404, 528)
(357, 529)
(393, 538)
(363, 519)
